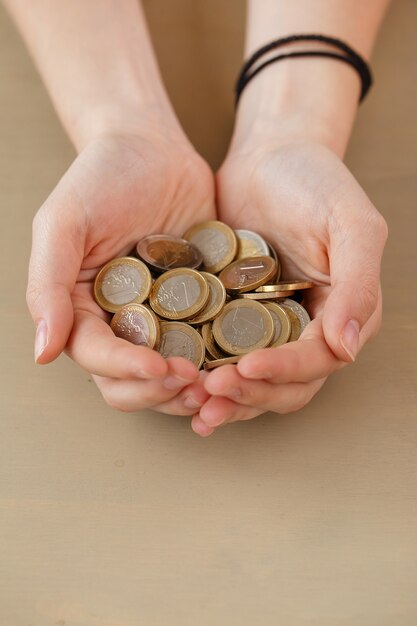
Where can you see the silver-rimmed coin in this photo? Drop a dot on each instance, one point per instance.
(180, 339)
(282, 324)
(299, 317)
(166, 252)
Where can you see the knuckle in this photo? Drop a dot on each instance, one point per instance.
(368, 294)
(33, 294)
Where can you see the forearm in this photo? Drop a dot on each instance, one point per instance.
(308, 97)
(97, 62)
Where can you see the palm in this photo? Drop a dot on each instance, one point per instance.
(118, 192)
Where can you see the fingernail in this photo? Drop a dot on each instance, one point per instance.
(41, 339)
(173, 382)
(192, 403)
(350, 338)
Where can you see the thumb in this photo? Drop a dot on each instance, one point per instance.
(355, 258)
(53, 269)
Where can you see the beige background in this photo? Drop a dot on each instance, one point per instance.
(110, 519)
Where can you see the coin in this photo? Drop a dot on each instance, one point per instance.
(273, 254)
(211, 365)
(165, 252)
(248, 274)
(211, 347)
(179, 294)
(136, 323)
(215, 303)
(292, 285)
(299, 317)
(250, 244)
(282, 324)
(217, 243)
(122, 281)
(180, 339)
(243, 326)
(267, 295)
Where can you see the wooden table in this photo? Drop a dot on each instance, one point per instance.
(112, 519)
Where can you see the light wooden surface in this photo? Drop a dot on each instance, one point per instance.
(111, 519)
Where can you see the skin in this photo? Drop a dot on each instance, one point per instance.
(283, 174)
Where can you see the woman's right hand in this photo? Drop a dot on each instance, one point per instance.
(119, 189)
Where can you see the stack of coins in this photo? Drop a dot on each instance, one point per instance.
(211, 296)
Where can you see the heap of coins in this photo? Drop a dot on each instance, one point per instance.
(211, 296)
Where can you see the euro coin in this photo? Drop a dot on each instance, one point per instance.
(273, 254)
(122, 281)
(217, 243)
(165, 252)
(282, 324)
(242, 326)
(267, 295)
(248, 274)
(211, 365)
(180, 339)
(299, 317)
(179, 294)
(250, 244)
(138, 324)
(215, 303)
(291, 285)
(211, 347)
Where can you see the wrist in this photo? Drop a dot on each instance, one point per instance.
(298, 99)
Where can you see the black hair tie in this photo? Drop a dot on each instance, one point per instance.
(350, 57)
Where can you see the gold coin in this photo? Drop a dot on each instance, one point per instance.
(282, 324)
(217, 243)
(292, 285)
(273, 253)
(166, 252)
(243, 326)
(248, 274)
(179, 294)
(299, 317)
(267, 295)
(125, 280)
(180, 339)
(136, 323)
(250, 244)
(211, 365)
(211, 347)
(215, 303)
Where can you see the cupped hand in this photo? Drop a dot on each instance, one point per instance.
(119, 189)
(302, 198)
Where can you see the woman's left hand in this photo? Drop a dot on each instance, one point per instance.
(302, 198)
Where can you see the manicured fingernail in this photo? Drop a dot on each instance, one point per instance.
(192, 403)
(173, 382)
(41, 339)
(350, 338)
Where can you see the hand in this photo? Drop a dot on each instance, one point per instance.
(302, 198)
(119, 189)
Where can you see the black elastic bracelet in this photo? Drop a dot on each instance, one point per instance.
(350, 57)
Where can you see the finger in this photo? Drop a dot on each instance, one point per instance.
(218, 411)
(134, 395)
(305, 360)
(94, 347)
(57, 253)
(284, 398)
(356, 247)
(200, 427)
